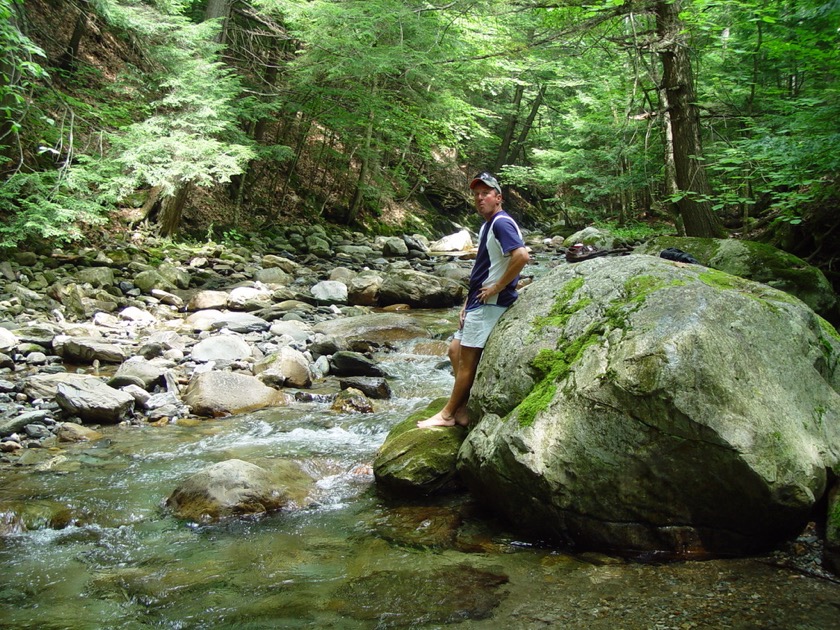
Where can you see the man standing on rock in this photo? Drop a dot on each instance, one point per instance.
(495, 274)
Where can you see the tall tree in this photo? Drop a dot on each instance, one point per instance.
(686, 179)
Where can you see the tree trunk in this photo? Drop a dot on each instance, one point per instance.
(171, 209)
(502, 155)
(358, 196)
(219, 9)
(689, 185)
(519, 147)
(71, 53)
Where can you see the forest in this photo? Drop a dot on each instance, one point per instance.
(713, 117)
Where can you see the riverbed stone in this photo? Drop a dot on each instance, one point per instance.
(151, 279)
(208, 299)
(420, 290)
(96, 276)
(74, 432)
(363, 288)
(349, 363)
(229, 488)
(88, 350)
(43, 386)
(378, 328)
(94, 401)
(287, 367)
(639, 404)
(249, 298)
(8, 340)
(351, 400)
(415, 462)
(330, 292)
(457, 242)
(221, 348)
(139, 369)
(216, 394)
(372, 387)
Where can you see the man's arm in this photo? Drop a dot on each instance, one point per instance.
(517, 260)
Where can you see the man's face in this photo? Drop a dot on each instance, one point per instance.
(488, 201)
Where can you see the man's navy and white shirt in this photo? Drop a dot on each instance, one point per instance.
(496, 240)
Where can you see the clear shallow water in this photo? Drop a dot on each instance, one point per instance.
(343, 557)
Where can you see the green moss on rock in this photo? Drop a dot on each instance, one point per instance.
(563, 307)
(416, 461)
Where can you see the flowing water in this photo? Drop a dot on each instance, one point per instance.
(101, 552)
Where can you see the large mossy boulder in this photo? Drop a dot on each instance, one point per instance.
(416, 461)
(759, 262)
(638, 404)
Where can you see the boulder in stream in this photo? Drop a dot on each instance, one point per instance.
(416, 462)
(640, 405)
(229, 488)
(216, 394)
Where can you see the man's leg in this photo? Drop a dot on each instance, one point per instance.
(455, 410)
(454, 354)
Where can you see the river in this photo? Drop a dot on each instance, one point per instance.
(105, 554)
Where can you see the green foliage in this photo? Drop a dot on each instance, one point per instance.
(19, 72)
(192, 136)
(634, 232)
(382, 96)
(52, 205)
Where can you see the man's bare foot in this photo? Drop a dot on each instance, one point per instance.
(437, 420)
(461, 417)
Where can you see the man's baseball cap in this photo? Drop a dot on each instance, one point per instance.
(488, 179)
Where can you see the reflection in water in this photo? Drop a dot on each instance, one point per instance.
(94, 549)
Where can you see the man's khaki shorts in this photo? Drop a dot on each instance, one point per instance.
(478, 324)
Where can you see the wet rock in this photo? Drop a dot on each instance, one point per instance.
(229, 488)
(74, 432)
(348, 363)
(372, 387)
(287, 366)
(416, 461)
(420, 526)
(351, 400)
(17, 517)
(408, 598)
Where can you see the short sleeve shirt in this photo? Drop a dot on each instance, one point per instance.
(496, 240)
